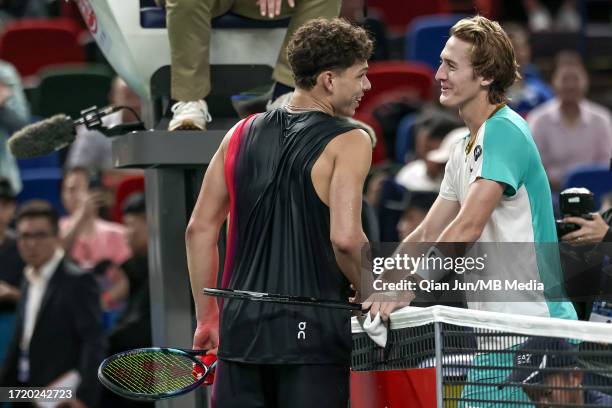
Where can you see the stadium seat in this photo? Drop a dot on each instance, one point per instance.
(380, 151)
(126, 187)
(389, 209)
(42, 183)
(397, 14)
(404, 140)
(88, 85)
(49, 161)
(397, 78)
(70, 9)
(426, 38)
(596, 178)
(32, 44)
(488, 8)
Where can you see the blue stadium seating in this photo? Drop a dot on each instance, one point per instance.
(50, 160)
(404, 140)
(426, 37)
(43, 183)
(597, 178)
(41, 178)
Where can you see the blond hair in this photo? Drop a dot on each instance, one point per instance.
(492, 55)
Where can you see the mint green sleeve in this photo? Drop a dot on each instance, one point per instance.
(505, 154)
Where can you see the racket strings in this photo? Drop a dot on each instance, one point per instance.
(151, 373)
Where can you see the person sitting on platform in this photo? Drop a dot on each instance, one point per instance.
(189, 31)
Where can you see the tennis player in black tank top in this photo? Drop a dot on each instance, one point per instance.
(291, 181)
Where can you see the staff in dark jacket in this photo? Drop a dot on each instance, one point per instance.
(59, 326)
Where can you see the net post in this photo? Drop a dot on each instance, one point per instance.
(438, 348)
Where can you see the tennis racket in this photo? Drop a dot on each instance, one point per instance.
(284, 299)
(155, 373)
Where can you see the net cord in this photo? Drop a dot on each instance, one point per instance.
(502, 322)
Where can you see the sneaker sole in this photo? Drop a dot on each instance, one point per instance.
(186, 125)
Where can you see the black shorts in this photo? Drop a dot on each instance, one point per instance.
(242, 385)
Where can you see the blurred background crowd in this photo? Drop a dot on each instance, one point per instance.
(96, 214)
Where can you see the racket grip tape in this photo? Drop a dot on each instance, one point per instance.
(198, 371)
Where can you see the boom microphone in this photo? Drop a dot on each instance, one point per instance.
(42, 138)
(48, 135)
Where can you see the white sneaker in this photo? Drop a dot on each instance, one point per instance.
(279, 102)
(189, 116)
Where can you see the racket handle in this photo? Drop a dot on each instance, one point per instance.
(207, 360)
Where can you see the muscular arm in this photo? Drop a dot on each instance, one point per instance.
(482, 198)
(445, 222)
(202, 236)
(440, 215)
(352, 154)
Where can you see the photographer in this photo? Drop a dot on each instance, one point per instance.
(591, 231)
(591, 240)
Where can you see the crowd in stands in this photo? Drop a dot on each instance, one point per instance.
(100, 244)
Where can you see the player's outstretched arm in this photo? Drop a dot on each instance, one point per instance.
(439, 216)
(482, 198)
(352, 154)
(201, 239)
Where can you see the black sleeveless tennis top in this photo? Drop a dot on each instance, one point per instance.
(279, 242)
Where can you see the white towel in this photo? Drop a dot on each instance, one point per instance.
(376, 329)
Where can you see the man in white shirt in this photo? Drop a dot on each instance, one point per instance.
(59, 329)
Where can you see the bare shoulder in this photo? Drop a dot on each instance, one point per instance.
(228, 136)
(351, 142)
(223, 147)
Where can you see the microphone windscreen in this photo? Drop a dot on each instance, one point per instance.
(42, 138)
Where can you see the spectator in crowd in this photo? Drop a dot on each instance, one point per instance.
(374, 184)
(543, 369)
(530, 90)
(426, 174)
(11, 267)
(133, 328)
(540, 15)
(14, 114)
(91, 242)
(189, 30)
(92, 149)
(59, 298)
(430, 132)
(570, 130)
(416, 206)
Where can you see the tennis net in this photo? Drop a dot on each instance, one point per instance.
(489, 359)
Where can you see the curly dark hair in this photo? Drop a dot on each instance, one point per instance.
(322, 45)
